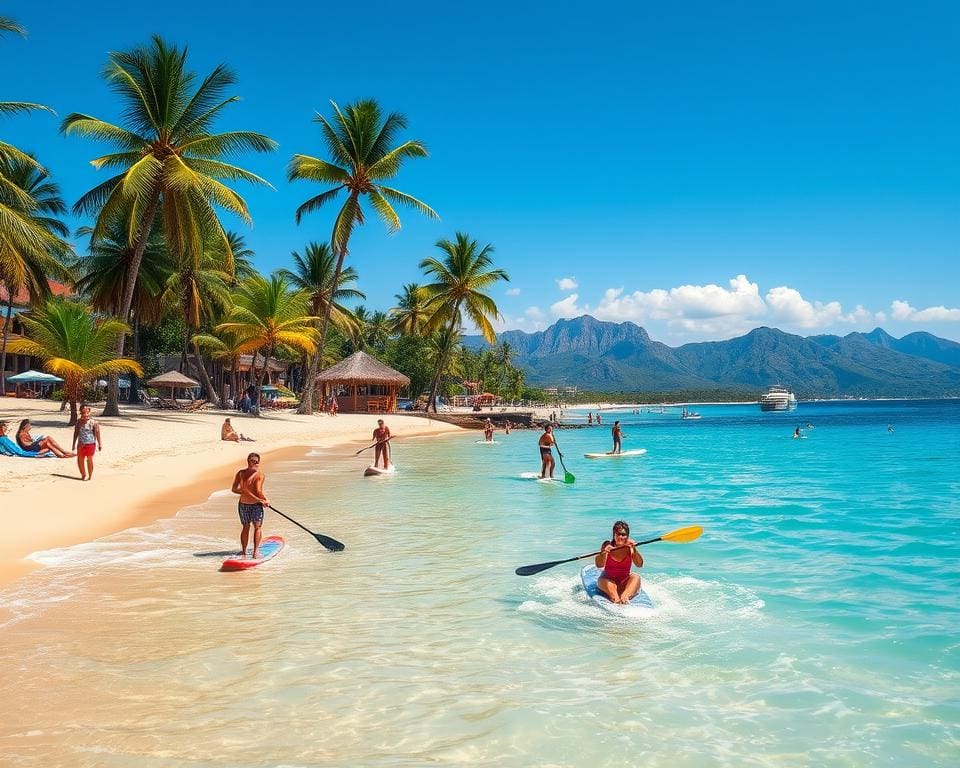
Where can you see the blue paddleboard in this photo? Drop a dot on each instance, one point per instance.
(641, 604)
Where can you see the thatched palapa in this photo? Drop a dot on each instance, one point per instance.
(361, 383)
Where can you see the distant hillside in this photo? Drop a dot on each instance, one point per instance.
(597, 355)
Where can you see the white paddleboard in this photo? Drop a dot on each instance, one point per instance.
(621, 455)
(536, 476)
(487, 442)
(372, 471)
(640, 606)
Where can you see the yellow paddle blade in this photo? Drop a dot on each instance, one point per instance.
(682, 535)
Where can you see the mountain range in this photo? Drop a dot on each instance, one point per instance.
(606, 357)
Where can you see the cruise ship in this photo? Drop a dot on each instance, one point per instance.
(778, 399)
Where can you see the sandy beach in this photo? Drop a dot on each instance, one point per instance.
(152, 464)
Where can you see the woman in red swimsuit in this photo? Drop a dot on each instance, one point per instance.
(616, 581)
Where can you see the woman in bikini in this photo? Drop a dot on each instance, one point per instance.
(546, 452)
(42, 443)
(615, 559)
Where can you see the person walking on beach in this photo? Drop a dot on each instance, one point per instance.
(546, 452)
(615, 559)
(86, 441)
(249, 484)
(617, 437)
(488, 431)
(381, 436)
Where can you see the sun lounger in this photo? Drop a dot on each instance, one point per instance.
(10, 448)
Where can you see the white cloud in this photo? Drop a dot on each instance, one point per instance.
(513, 291)
(901, 310)
(788, 307)
(567, 284)
(534, 313)
(683, 302)
(568, 307)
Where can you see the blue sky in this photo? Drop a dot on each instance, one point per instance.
(700, 170)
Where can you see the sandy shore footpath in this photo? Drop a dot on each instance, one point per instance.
(152, 464)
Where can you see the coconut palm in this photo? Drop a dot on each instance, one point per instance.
(24, 268)
(442, 350)
(313, 273)
(360, 142)
(170, 164)
(410, 313)
(266, 315)
(460, 278)
(225, 348)
(242, 258)
(505, 355)
(74, 345)
(378, 331)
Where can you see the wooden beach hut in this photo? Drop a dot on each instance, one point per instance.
(362, 384)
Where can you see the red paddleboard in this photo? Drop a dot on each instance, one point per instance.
(270, 547)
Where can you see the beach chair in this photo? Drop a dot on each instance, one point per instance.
(196, 405)
(10, 448)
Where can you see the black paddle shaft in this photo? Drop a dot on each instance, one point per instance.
(529, 570)
(332, 544)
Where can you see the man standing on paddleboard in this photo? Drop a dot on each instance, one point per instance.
(617, 437)
(546, 451)
(249, 484)
(381, 435)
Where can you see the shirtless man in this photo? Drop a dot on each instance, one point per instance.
(546, 451)
(617, 437)
(381, 435)
(249, 484)
(488, 431)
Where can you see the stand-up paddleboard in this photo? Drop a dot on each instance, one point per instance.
(639, 606)
(536, 476)
(487, 442)
(270, 547)
(373, 471)
(621, 455)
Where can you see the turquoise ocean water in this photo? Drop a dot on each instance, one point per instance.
(815, 623)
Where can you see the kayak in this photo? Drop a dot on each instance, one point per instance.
(641, 605)
(373, 471)
(621, 455)
(270, 547)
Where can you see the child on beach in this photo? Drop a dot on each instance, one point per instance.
(86, 441)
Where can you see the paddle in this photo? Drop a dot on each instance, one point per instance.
(374, 445)
(567, 475)
(332, 544)
(679, 536)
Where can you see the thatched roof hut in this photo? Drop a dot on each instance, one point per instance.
(361, 383)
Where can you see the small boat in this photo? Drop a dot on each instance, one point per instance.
(778, 398)
(372, 471)
(685, 414)
(270, 547)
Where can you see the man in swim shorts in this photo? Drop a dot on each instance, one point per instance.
(617, 437)
(546, 451)
(249, 484)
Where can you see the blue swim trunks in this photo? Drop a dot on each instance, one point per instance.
(250, 513)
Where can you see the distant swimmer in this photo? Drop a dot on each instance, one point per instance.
(617, 437)
(590, 418)
(488, 431)
(809, 425)
(546, 452)
(889, 427)
(615, 559)
(796, 433)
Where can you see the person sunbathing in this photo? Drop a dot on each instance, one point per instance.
(27, 442)
(228, 433)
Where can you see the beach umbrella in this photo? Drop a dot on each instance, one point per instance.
(34, 377)
(174, 380)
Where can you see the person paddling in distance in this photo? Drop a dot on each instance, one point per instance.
(249, 484)
(615, 559)
(382, 435)
(617, 437)
(546, 452)
(86, 442)
(488, 431)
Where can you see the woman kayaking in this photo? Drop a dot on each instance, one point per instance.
(615, 559)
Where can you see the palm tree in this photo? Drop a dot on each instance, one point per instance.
(266, 315)
(357, 338)
(378, 331)
(313, 273)
(22, 267)
(242, 259)
(441, 353)
(505, 354)
(410, 313)
(74, 345)
(225, 348)
(170, 163)
(360, 143)
(460, 279)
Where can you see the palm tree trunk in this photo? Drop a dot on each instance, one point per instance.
(205, 377)
(112, 407)
(3, 346)
(134, 397)
(432, 399)
(263, 373)
(306, 399)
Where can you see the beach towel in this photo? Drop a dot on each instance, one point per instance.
(10, 448)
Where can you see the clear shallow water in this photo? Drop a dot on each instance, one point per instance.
(816, 622)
